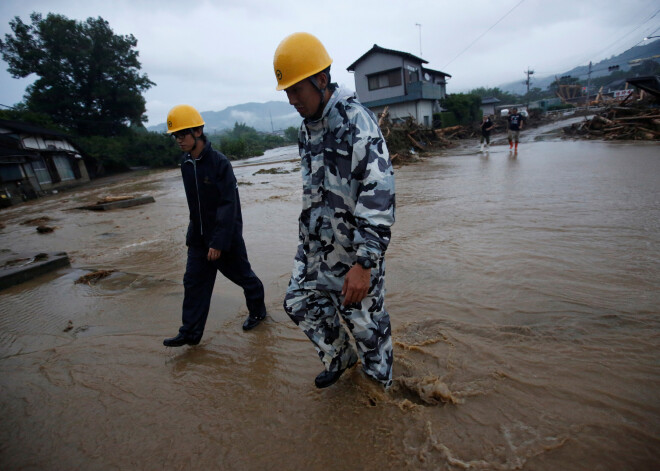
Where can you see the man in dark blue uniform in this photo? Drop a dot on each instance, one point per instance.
(215, 231)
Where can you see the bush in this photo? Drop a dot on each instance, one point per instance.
(233, 147)
(130, 149)
(466, 108)
(291, 134)
(244, 141)
(446, 119)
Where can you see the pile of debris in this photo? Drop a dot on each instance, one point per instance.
(121, 201)
(619, 122)
(40, 222)
(93, 277)
(114, 199)
(407, 139)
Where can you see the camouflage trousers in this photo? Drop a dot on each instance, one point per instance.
(318, 313)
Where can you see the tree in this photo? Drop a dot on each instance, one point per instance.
(535, 94)
(466, 108)
(504, 97)
(131, 149)
(291, 134)
(244, 141)
(88, 77)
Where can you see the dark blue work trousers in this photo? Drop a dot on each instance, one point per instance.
(199, 279)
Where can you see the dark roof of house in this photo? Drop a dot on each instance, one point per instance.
(438, 72)
(8, 141)
(29, 128)
(377, 48)
(489, 100)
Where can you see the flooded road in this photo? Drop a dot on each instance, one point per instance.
(524, 293)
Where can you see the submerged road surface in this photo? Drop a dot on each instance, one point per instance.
(524, 292)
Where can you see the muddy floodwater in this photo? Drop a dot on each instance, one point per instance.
(524, 293)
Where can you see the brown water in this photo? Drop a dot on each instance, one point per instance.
(524, 294)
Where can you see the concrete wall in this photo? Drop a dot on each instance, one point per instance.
(488, 109)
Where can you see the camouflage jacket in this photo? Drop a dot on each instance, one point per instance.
(348, 194)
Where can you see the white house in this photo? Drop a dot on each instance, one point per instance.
(488, 105)
(398, 80)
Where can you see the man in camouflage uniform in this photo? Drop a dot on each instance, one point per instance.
(344, 226)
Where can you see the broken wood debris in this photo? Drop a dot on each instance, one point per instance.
(271, 171)
(619, 123)
(112, 199)
(405, 138)
(43, 229)
(115, 202)
(69, 328)
(41, 220)
(94, 276)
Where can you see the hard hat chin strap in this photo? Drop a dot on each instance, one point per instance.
(315, 82)
(197, 139)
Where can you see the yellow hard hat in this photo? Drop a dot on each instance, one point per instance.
(183, 117)
(299, 56)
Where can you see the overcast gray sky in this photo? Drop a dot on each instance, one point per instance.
(215, 54)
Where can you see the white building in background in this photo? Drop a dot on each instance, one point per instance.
(399, 81)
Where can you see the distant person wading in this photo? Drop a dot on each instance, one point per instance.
(515, 121)
(487, 126)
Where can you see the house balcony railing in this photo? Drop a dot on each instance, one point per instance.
(424, 91)
(414, 91)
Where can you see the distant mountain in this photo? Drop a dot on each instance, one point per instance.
(276, 116)
(271, 116)
(597, 70)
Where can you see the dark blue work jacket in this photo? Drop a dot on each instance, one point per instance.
(212, 194)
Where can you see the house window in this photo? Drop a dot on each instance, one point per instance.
(391, 78)
(63, 166)
(10, 172)
(41, 171)
(412, 74)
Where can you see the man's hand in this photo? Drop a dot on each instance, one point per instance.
(356, 284)
(213, 255)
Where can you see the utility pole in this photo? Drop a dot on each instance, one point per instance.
(420, 38)
(588, 85)
(528, 72)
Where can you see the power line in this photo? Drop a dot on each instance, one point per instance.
(645, 37)
(543, 72)
(627, 34)
(482, 35)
